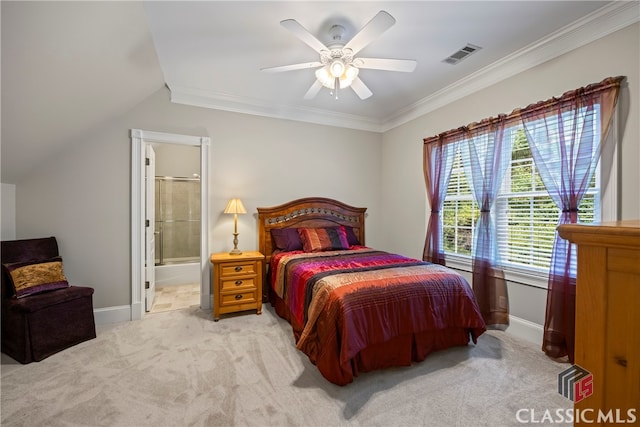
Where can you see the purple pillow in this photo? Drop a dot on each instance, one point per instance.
(351, 236)
(286, 239)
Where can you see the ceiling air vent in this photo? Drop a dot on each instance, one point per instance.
(461, 54)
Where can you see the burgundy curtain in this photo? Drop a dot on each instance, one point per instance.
(565, 136)
(486, 159)
(438, 156)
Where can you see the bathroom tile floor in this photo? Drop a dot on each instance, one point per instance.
(176, 297)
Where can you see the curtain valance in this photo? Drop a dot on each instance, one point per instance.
(515, 116)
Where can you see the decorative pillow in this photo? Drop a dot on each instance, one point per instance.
(33, 277)
(351, 236)
(286, 239)
(323, 239)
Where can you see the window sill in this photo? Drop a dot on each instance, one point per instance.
(522, 276)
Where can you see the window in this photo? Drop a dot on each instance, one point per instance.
(526, 216)
(459, 213)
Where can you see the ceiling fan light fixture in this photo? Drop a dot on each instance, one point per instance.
(324, 76)
(337, 68)
(350, 74)
(328, 79)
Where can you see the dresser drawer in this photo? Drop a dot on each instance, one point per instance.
(238, 268)
(239, 284)
(237, 298)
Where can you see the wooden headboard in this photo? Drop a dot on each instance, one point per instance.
(307, 212)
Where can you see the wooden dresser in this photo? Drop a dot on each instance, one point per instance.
(608, 313)
(236, 282)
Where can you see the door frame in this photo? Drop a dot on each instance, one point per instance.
(139, 139)
(149, 229)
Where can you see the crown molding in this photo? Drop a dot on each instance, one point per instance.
(594, 26)
(238, 104)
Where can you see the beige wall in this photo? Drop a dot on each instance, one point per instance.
(177, 160)
(8, 211)
(402, 176)
(82, 195)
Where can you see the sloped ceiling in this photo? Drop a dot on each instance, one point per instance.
(69, 66)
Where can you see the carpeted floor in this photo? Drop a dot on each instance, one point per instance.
(180, 368)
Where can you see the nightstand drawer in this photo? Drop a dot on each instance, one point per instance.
(237, 268)
(240, 284)
(246, 297)
(236, 281)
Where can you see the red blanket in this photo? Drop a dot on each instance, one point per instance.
(348, 302)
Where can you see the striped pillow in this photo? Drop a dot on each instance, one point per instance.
(323, 239)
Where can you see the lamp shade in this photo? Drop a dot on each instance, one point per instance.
(327, 77)
(235, 206)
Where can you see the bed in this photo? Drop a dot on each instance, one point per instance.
(353, 308)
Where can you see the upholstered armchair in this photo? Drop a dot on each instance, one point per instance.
(41, 313)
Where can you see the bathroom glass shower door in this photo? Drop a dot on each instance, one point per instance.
(177, 220)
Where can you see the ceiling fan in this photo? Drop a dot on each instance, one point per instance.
(339, 68)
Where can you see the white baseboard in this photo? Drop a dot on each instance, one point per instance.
(126, 313)
(525, 329)
(121, 313)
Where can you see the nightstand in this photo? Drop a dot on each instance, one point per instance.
(236, 282)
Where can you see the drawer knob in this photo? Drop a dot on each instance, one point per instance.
(238, 268)
(238, 282)
(239, 296)
(621, 361)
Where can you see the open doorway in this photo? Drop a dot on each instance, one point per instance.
(176, 228)
(145, 240)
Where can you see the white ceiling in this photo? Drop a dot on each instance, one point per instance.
(211, 53)
(69, 66)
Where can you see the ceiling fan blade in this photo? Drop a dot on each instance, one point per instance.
(404, 65)
(304, 35)
(374, 28)
(360, 88)
(292, 67)
(313, 90)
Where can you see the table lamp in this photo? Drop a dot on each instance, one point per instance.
(235, 207)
